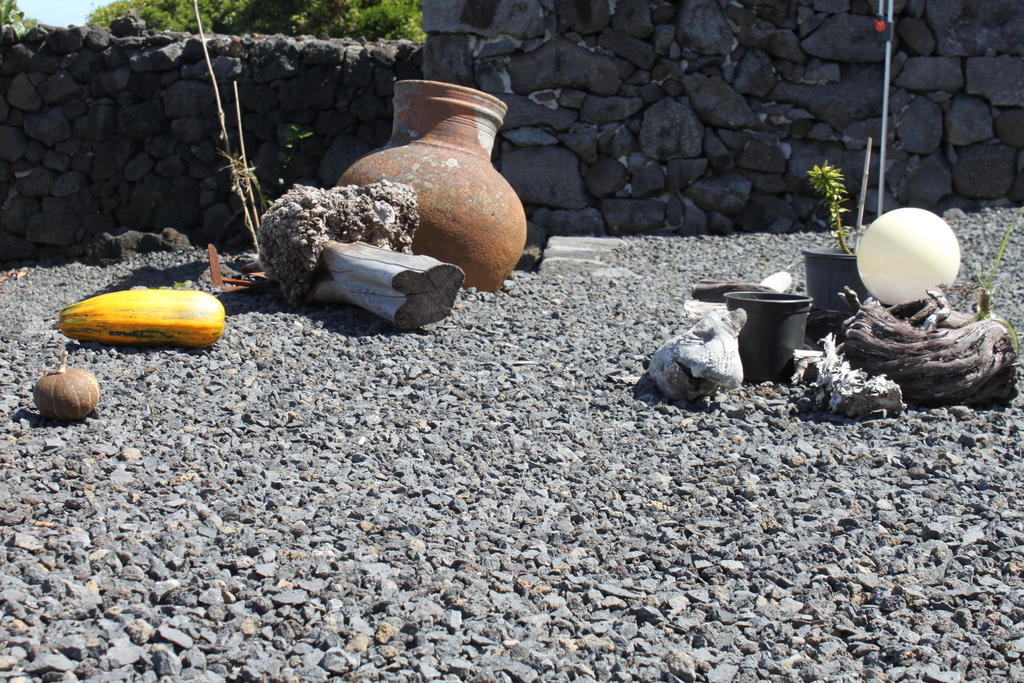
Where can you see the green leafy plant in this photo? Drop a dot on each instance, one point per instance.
(289, 139)
(987, 285)
(11, 16)
(827, 181)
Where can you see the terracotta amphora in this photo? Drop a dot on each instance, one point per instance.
(441, 144)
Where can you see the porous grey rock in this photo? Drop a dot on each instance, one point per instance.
(984, 171)
(295, 228)
(969, 120)
(1000, 80)
(927, 74)
(671, 130)
(548, 176)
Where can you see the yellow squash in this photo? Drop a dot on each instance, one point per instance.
(137, 317)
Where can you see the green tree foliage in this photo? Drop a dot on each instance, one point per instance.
(171, 15)
(371, 19)
(11, 16)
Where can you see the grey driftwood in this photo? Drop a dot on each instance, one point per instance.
(409, 290)
(702, 360)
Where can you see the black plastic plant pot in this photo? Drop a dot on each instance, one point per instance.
(774, 329)
(828, 272)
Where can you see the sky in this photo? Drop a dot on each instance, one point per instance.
(59, 12)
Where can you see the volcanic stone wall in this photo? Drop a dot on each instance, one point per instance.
(100, 132)
(640, 116)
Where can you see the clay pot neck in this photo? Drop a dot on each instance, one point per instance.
(446, 115)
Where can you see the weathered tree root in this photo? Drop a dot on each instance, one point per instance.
(970, 363)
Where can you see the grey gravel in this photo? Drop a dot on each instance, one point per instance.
(503, 496)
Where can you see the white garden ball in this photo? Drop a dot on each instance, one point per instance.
(905, 252)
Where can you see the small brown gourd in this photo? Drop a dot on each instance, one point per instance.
(66, 393)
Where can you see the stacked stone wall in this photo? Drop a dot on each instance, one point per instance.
(696, 116)
(101, 132)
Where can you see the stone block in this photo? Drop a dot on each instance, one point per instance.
(597, 109)
(671, 130)
(973, 28)
(59, 88)
(548, 176)
(1010, 127)
(633, 216)
(755, 74)
(562, 222)
(702, 27)
(927, 74)
(916, 35)
(717, 104)
(490, 18)
(633, 17)
(582, 16)
(762, 156)
(927, 182)
(646, 177)
(449, 57)
(680, 173)
(969, 120)
(524, 112)
(919, 129)
(24, 94)
(1000, 80)
(49, 127)
(12, 143)
(984, 171)
(160, 58)
(638, 52)
(560, 63)
(845, 38)
(856, 96)
(725, 194)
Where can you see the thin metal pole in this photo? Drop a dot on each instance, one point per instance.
(885, 109)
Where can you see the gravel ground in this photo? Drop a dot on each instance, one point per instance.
(503, 496)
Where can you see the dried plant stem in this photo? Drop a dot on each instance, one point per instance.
(242, 177)
(248, 179)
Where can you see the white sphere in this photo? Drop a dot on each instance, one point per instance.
(905, 252)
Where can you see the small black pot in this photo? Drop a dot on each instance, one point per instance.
(828, 271)
(774, 329)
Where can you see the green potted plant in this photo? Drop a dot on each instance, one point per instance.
(829, 270)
